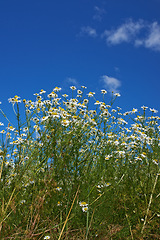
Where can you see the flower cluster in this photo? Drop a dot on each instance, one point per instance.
(79, 141)
(84, 206)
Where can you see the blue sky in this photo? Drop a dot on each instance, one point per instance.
(101, 44)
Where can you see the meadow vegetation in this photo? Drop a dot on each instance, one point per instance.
(79, 168)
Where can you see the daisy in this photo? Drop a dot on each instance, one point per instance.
(47, 237)
(73, 87)
(84, 209)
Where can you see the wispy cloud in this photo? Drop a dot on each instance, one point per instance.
(111, 84)
(99, 12)
(132, 32)
(88, 31)
(153, 39)
(139, 33)
(72, 81)
(124, 33)
(68, 82)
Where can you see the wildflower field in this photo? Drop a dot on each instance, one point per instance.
(78, 168)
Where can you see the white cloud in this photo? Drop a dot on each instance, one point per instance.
(72, 81)
(111, 84)
(153, 39)
(139, 42)
(139, 33)
(68, 82)
(99, 12)
(124, 33)
(88, 31)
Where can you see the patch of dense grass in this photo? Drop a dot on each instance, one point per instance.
(70, 172)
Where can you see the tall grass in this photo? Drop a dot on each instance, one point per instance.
(77, 168)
